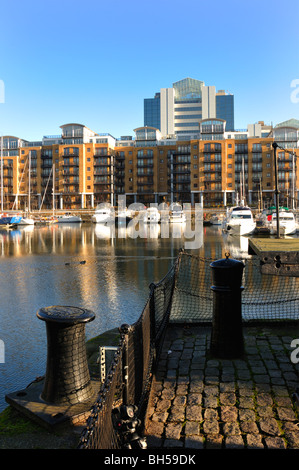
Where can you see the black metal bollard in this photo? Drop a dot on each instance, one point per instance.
(227, 336)
(67, 377)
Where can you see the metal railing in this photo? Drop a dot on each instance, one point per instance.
(182, 296)
(128, 379)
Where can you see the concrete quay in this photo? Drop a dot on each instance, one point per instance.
(202, 402)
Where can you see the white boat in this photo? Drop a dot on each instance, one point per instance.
(152, 215)
(287, 223)
(124, 215)
(217, 219)
(240, 221)
(68, 218)
(176, 213)
(103, 215)
(26, 221)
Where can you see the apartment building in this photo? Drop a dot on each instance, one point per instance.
(80, 168)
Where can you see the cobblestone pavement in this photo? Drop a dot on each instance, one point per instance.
(202, 402)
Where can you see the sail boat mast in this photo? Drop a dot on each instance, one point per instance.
(53, 177)
(293, 180)
(29, 182)
(1, 173)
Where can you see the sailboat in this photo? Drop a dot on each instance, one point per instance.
(7, 220)
(26, 219)
(239, 220)
(53, 219)
(262, 223)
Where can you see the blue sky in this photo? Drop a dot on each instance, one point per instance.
(94, 62)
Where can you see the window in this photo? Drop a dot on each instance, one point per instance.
(88, 168)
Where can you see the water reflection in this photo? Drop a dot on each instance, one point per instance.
(106, 269)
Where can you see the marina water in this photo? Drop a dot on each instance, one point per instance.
(88, 266)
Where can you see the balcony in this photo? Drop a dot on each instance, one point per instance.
(72, 183)
(182, 180)
(46, 165)
(147, 182)
(104, 181)
(103, 189)
(211, 170)
(145, 190)
(102, 173)
(68, 164)
(70, 173)
(145, 165)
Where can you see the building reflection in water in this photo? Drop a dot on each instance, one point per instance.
(103, 268)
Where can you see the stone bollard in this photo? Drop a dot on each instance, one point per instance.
(67, 379)
(227, 336)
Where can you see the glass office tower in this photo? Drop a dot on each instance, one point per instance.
(178, 110)
(225, 110)
(152, 112)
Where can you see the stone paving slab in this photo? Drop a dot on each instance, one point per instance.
(202, 402)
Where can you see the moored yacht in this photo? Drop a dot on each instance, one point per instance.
(217, 219)
(152, 215)
(287, 223)
(176, 213)
(26, 220)
(240, 221)
(10, 220)
(68, 218)
(103, 215)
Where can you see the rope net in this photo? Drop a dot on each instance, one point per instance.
(184, 295)
(265, 297)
